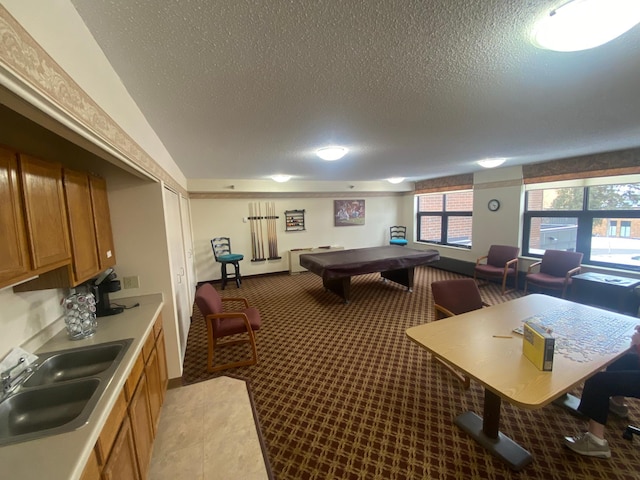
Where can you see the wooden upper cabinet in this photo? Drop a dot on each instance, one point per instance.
(15, 263)
(46, 216)
(102, 222)
(81, 226)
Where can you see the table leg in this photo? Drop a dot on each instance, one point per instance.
(486, 433)
(339, 286)
(570, 403)
(403, 277)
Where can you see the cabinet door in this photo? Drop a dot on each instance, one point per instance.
(122, 461)
(45, 211)
(155, 388)
(162, 364)
(102, 222)
(81, 230)
(91, 469)
(141, 425)
(14, 254)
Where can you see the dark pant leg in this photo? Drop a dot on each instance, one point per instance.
(621, 378)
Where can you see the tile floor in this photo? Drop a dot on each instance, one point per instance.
(207, 432)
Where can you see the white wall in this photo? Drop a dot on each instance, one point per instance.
(24, 315)
(58, 28)
(139, 231)
(500, 228)
(224, 217)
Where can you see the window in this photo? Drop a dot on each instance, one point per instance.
(602, 222)
(445, 218)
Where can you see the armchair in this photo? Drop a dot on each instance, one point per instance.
(554, 271)
(455, 297)
(221, 323)
(501, 262)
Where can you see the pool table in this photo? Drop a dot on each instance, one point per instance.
(395, 263)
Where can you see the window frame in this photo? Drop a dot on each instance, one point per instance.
(444, 216)
(584, 232)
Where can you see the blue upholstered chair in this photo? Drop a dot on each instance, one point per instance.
(222, 252)
(398, 235)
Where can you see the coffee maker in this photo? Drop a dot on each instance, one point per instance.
(104, 284)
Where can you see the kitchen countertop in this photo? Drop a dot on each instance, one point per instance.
(63, 456)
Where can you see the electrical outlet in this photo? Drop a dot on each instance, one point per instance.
(131, 282)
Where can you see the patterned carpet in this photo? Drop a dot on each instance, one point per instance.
(342, 393)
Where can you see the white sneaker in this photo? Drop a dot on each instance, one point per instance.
(586, 445)
(619, 410)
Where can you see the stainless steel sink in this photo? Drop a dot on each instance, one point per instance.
(37, 412)
(62, 392)
(75, 363)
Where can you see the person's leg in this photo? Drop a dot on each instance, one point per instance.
(603, 385)
(596, 429)
(595, 405)
(617, 403)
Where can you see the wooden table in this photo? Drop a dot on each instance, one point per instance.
(468, 342)
(395, 263)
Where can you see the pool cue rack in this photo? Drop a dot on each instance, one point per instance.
(258, 229)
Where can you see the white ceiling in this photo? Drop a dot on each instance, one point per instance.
(242, 89)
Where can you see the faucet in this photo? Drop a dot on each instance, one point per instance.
(9, 383)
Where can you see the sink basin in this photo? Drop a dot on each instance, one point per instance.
(38, 412)
(61, 393)
(65, 365)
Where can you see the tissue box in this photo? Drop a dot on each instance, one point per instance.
(538, 346)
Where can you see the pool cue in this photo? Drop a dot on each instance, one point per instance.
(274, 231)
(253, 233)
(261, 236)
(272, 252)
(267, 208)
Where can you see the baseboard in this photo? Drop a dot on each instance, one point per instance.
(456, 266)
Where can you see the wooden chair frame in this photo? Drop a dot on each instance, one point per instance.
(213, 342)
(567, 276)
(505, 273)
(440, 313)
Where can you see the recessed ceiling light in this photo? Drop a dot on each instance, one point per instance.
(584, 24)
(395, 179)
(331, 153)
(491, 162)
(281, 178)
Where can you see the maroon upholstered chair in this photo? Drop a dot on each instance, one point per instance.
(554, 270)
(501, 262)
(221, 323)
(455, 297)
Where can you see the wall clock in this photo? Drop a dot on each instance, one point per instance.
(493, 205)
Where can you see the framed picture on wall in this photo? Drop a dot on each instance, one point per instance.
(347, 213)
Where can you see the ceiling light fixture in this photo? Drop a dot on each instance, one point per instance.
(281, 178)
(331, 153)
(395, 180)
(491, 162)
(584, 24)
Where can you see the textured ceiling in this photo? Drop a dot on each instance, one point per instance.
(242, 89)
